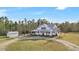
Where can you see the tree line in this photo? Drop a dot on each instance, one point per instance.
(25, 26)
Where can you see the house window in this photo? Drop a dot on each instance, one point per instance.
(33, 32)
(43, 27)
(48, 32)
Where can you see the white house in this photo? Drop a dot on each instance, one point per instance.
(12, 34)
(46, 30)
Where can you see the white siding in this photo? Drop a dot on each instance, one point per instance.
(12, 34)
(46, 30)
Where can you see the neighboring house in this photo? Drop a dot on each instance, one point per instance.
(12, 34)
(46, 30)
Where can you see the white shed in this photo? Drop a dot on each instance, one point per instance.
(12, 34)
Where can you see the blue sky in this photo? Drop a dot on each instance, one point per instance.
(52, 14)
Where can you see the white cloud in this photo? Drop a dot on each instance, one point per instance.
(3, 12)
(61, 8)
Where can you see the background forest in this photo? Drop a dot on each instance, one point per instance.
(25, 26)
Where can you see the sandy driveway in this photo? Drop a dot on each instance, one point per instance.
(71, 46)
(6, 43)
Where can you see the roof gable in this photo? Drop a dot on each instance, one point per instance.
(52, 26)
(49, 27)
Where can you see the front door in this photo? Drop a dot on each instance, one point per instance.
(43, 34)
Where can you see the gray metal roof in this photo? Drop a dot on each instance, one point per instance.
(51, 26)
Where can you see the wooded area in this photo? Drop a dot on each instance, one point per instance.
(25, 26)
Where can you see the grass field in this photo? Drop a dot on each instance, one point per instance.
(36, 45)
(42, 45)
(71, 37)
(3, 38)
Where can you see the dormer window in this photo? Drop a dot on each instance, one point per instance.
(43, 27)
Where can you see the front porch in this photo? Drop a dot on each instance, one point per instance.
(41, 33)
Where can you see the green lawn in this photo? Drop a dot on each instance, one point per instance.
(71, 37)
(36, 45)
